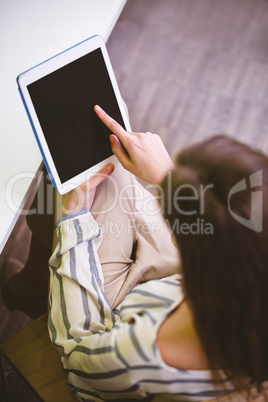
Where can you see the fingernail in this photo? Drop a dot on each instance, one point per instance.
(110, 167)
(113, 138)
(98, 108)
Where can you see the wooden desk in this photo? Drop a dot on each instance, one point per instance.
(32, 31)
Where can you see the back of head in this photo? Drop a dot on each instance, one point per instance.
(217, 213)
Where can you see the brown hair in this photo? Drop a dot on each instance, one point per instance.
(226, 266)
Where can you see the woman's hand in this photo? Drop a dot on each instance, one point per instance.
(143, 154)
(82, 197)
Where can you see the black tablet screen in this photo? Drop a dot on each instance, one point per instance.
(64, 101)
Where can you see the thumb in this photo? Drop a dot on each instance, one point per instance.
(101, 175)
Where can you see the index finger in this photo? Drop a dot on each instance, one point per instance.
(112, 124)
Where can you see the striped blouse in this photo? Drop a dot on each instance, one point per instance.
(113, 354)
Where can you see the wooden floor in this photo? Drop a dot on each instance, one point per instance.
(190, 69)
(187, 70)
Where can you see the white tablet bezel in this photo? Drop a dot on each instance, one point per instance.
(47, 67)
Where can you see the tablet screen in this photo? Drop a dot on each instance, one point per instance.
(64, 101)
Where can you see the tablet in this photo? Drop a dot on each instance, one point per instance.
(59, 96)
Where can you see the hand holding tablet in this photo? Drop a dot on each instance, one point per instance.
(59, 96)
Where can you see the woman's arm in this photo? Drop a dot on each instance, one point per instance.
(143, 154)
(80, 317)
(99, 351)
(82, 325)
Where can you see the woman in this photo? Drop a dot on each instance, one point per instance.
(193, 336)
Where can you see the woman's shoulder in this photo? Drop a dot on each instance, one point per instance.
(178, 341)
